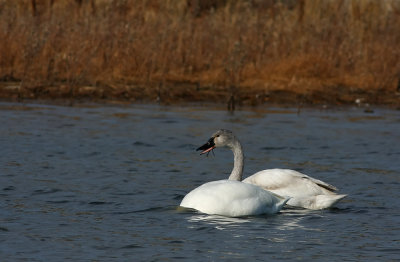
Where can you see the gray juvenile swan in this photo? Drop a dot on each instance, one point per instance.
(303, 191)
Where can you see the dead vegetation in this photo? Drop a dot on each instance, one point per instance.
(247, 51)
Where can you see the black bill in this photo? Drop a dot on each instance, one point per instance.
(207, 147)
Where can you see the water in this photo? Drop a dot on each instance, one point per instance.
(102, 183)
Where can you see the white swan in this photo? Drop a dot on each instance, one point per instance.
(303, 191)
(232, 198)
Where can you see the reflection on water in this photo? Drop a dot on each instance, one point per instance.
(218, 220)
(102, 183)
(295, 216)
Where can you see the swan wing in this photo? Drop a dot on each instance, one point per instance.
(286, 182)
(305, 191)
(233, 199)
(318, 182)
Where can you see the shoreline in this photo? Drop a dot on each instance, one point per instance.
(176, 93)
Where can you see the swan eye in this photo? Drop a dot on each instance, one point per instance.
(217, 136)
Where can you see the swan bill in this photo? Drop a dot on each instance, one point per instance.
(207, 147)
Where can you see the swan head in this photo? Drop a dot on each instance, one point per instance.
(221, 138)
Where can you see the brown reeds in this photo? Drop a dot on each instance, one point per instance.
(256, 45)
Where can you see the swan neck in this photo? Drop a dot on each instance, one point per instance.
(238, 162)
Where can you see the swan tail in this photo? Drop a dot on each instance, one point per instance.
(282, 202)
(316, 202)
(327, 201)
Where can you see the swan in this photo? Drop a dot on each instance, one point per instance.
(232, 198)
(302, 190)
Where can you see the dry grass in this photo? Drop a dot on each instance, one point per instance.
(262, 45)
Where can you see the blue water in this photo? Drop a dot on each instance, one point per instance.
(102, 183)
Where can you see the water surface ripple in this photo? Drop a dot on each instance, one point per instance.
(102, 183)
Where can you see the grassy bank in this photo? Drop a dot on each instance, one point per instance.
(197, 50)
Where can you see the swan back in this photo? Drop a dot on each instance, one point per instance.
(305, 191)
(233, 198)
